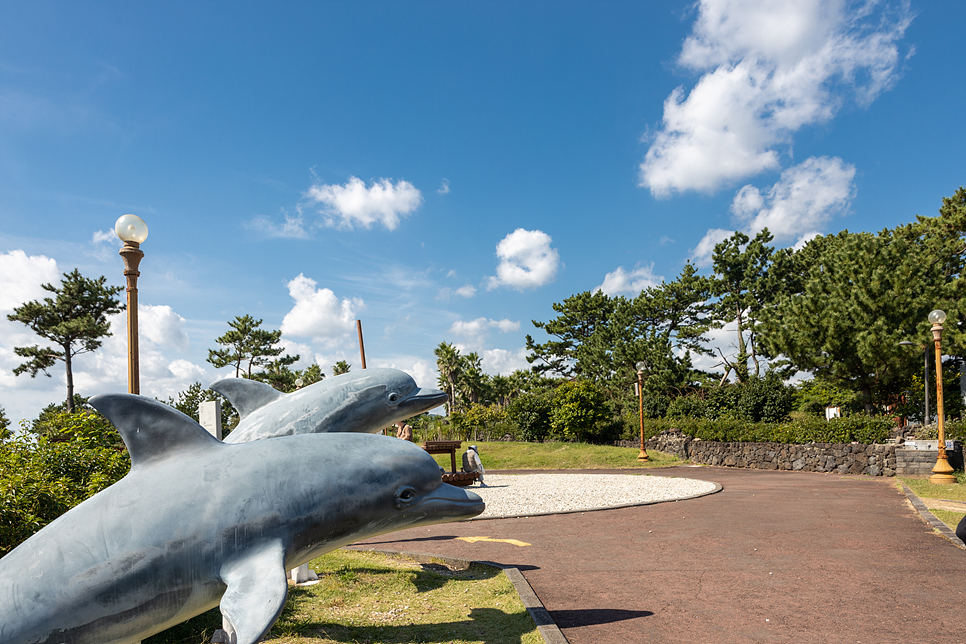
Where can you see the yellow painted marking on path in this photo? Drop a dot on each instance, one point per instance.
(512, 542)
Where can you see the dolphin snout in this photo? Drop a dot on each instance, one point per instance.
(423, 400)
(448, 502)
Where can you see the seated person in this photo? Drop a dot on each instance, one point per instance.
(472, 463)
(404, 431)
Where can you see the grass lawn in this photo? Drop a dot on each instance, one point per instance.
(365, 597)
(506, 455)
(930, 492)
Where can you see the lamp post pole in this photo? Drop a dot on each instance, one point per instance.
(640, 407)
(132, 230)
(942, 472)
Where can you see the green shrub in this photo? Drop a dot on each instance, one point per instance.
(579, 412)
(530, 413)
(765, 399)
(480, 421)
(42, 478)
(690, 406)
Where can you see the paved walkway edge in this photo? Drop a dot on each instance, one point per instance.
(538, 613)
(931, 519)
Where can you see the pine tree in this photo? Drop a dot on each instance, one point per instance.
(246, 343)
(74, 320)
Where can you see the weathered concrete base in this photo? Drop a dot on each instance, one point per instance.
(302, 574)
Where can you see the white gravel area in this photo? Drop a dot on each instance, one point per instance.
(511, 495)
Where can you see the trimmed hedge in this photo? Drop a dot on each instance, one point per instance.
(858, 428)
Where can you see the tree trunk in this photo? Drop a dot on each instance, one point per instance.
(741, 363)
(70, 380)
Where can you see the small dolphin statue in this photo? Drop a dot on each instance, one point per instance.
(364, 401)
(197, 523)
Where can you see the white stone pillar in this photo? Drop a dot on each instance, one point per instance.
(209, 417)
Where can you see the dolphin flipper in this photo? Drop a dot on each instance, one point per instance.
(151, 430)
(246, 395)
(256, 592)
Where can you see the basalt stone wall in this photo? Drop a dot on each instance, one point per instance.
(854, 458)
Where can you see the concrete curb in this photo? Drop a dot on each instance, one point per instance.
(931, 519)
(547, 628)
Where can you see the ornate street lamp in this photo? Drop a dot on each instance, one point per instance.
(132, 230)
(942, 473)
(640, 404)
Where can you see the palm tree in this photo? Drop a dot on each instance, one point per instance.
(472, 382)
(340, 368)
(448, 363)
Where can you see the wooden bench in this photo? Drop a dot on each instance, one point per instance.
(461, 479)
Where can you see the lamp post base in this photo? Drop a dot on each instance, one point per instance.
(642, 456)
(942, 472)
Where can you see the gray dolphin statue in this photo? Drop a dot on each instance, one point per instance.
(363, 401)
(197, 522)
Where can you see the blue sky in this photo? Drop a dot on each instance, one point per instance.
(442, 171)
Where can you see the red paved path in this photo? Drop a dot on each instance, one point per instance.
(773, 557)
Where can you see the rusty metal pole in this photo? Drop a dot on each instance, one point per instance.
(362, 347)
(131, 253)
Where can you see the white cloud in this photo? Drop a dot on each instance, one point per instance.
(422, 372)
(475, 331)
(104, 237)
(620, 281)
(770, 68)
(795, 208)
(504, 362)
(188, 372)
(701, 254)
(526, 260)
(292, 228)
(801, 202)
(21, 276)
(444, 187)
(318, 313)
(353, 204)
(162, 326)
(467, 291)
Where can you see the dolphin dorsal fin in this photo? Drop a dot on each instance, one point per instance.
(151, 430)
(246, 395)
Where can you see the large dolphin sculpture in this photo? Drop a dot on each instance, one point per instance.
(363, 401)
(197, 522)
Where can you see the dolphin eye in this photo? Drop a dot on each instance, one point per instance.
(404, 497)
(393, 398)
